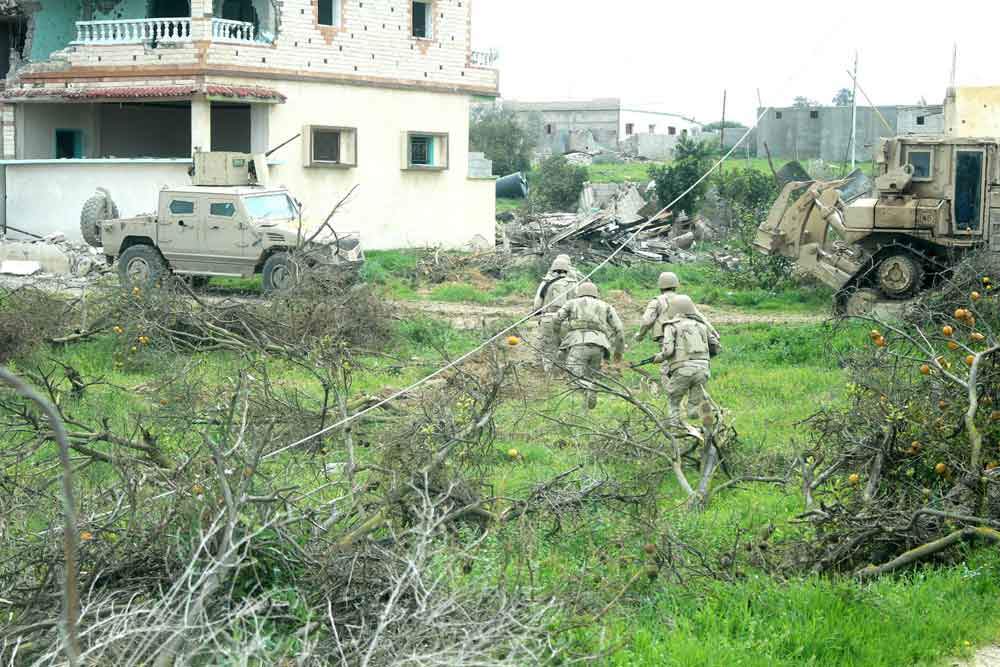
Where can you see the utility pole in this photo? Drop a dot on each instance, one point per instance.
(722, 130)
(854, 112)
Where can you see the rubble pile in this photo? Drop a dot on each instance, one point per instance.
(609, 216)
(51, 254)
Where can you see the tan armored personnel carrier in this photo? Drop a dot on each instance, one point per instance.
(228, 223)
(934, 199)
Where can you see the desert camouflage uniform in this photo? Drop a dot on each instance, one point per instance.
(656, 316)
(591, 332)
(685, 358)
(552, 294)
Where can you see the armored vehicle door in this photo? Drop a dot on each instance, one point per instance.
(969, 201)
(179, 230)
(225, 246)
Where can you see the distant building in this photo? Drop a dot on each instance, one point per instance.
(809, 133)
(920, 120)
(601, 125)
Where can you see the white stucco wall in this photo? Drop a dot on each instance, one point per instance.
(973, 111)
(37, 125)
(43, 198)
(392, 208)
(641, 120)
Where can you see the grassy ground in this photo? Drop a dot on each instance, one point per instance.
(769, 379)
(393, 270)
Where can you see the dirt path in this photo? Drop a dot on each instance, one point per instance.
(987, 657)
(473, 316)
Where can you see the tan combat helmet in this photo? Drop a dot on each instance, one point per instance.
(669, 280)
(561, 263)
(587, 289)
(681, 306)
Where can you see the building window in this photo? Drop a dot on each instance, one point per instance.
(329, 12)
(548, 129)
(652, 129)
(69, 144)
(672, 131)
(330, 146)
(222, 209)
(777, 115)
(920, 120)
(422, 17)
(922, 161)
(425, 151)
(181, 207)
(814, 114)
(629, 129)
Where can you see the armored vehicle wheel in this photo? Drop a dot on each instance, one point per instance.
(279, 272)
(862, 302)
(900, 276)
(96, 210)
(141, 266)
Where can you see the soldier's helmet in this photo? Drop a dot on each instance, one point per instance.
(683, 217)
(682, 305)
(561, 264)
(669, 280)
(565, 258)
(587, 289)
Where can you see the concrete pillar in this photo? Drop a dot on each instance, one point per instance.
(201, 124)
(8, 130)
(260, 138)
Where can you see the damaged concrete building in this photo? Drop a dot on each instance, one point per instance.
(602, 125)
(119, 93)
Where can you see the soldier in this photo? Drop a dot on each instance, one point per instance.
(591, 332)
(659, 312)
(553, 293)
(574, 275)
(688, 345)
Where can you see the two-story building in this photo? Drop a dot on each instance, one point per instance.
(118, 93)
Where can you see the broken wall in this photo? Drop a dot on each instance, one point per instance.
(115, 10)
(52, 26)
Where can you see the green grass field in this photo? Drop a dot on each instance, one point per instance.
(769, 379)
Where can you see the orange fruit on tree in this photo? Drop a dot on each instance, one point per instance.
(952, 345)
(942, 404)
(977, 337)
(513, 341)
(976, 296)
(961, 314)
(513, 453)
(880, 341)
(969, 360)
(925, 370)
(875, 334)
(947, 331)
(854, 479)
(940, 468)
(970, 320)
(86, 536)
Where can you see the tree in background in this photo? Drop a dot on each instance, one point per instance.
(804, 102)
(844, 98)
(497, 133)
(691, 160)
(718, 125)
(557, 184)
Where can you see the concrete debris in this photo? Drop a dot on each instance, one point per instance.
(609, 216)
(16, 267)
(580, 159)
(728, 261)
(54, 255)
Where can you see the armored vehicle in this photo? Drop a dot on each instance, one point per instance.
(227, 224)
(934, 199)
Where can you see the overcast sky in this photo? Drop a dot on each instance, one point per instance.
(680, 56)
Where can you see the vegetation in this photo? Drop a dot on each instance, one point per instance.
(557, 184)
(691, 160)
(844, 97)
(497, 133)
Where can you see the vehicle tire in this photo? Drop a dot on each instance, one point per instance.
(279, 273)
(862, 302)
(97, 209)
(141, 266)
(900, 276)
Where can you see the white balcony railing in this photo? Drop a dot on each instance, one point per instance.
(224, 30)
(485, 58)
(134, 31)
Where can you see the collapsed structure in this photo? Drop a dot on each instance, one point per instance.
(119, 93)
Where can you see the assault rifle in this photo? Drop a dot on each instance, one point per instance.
(644, 362)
